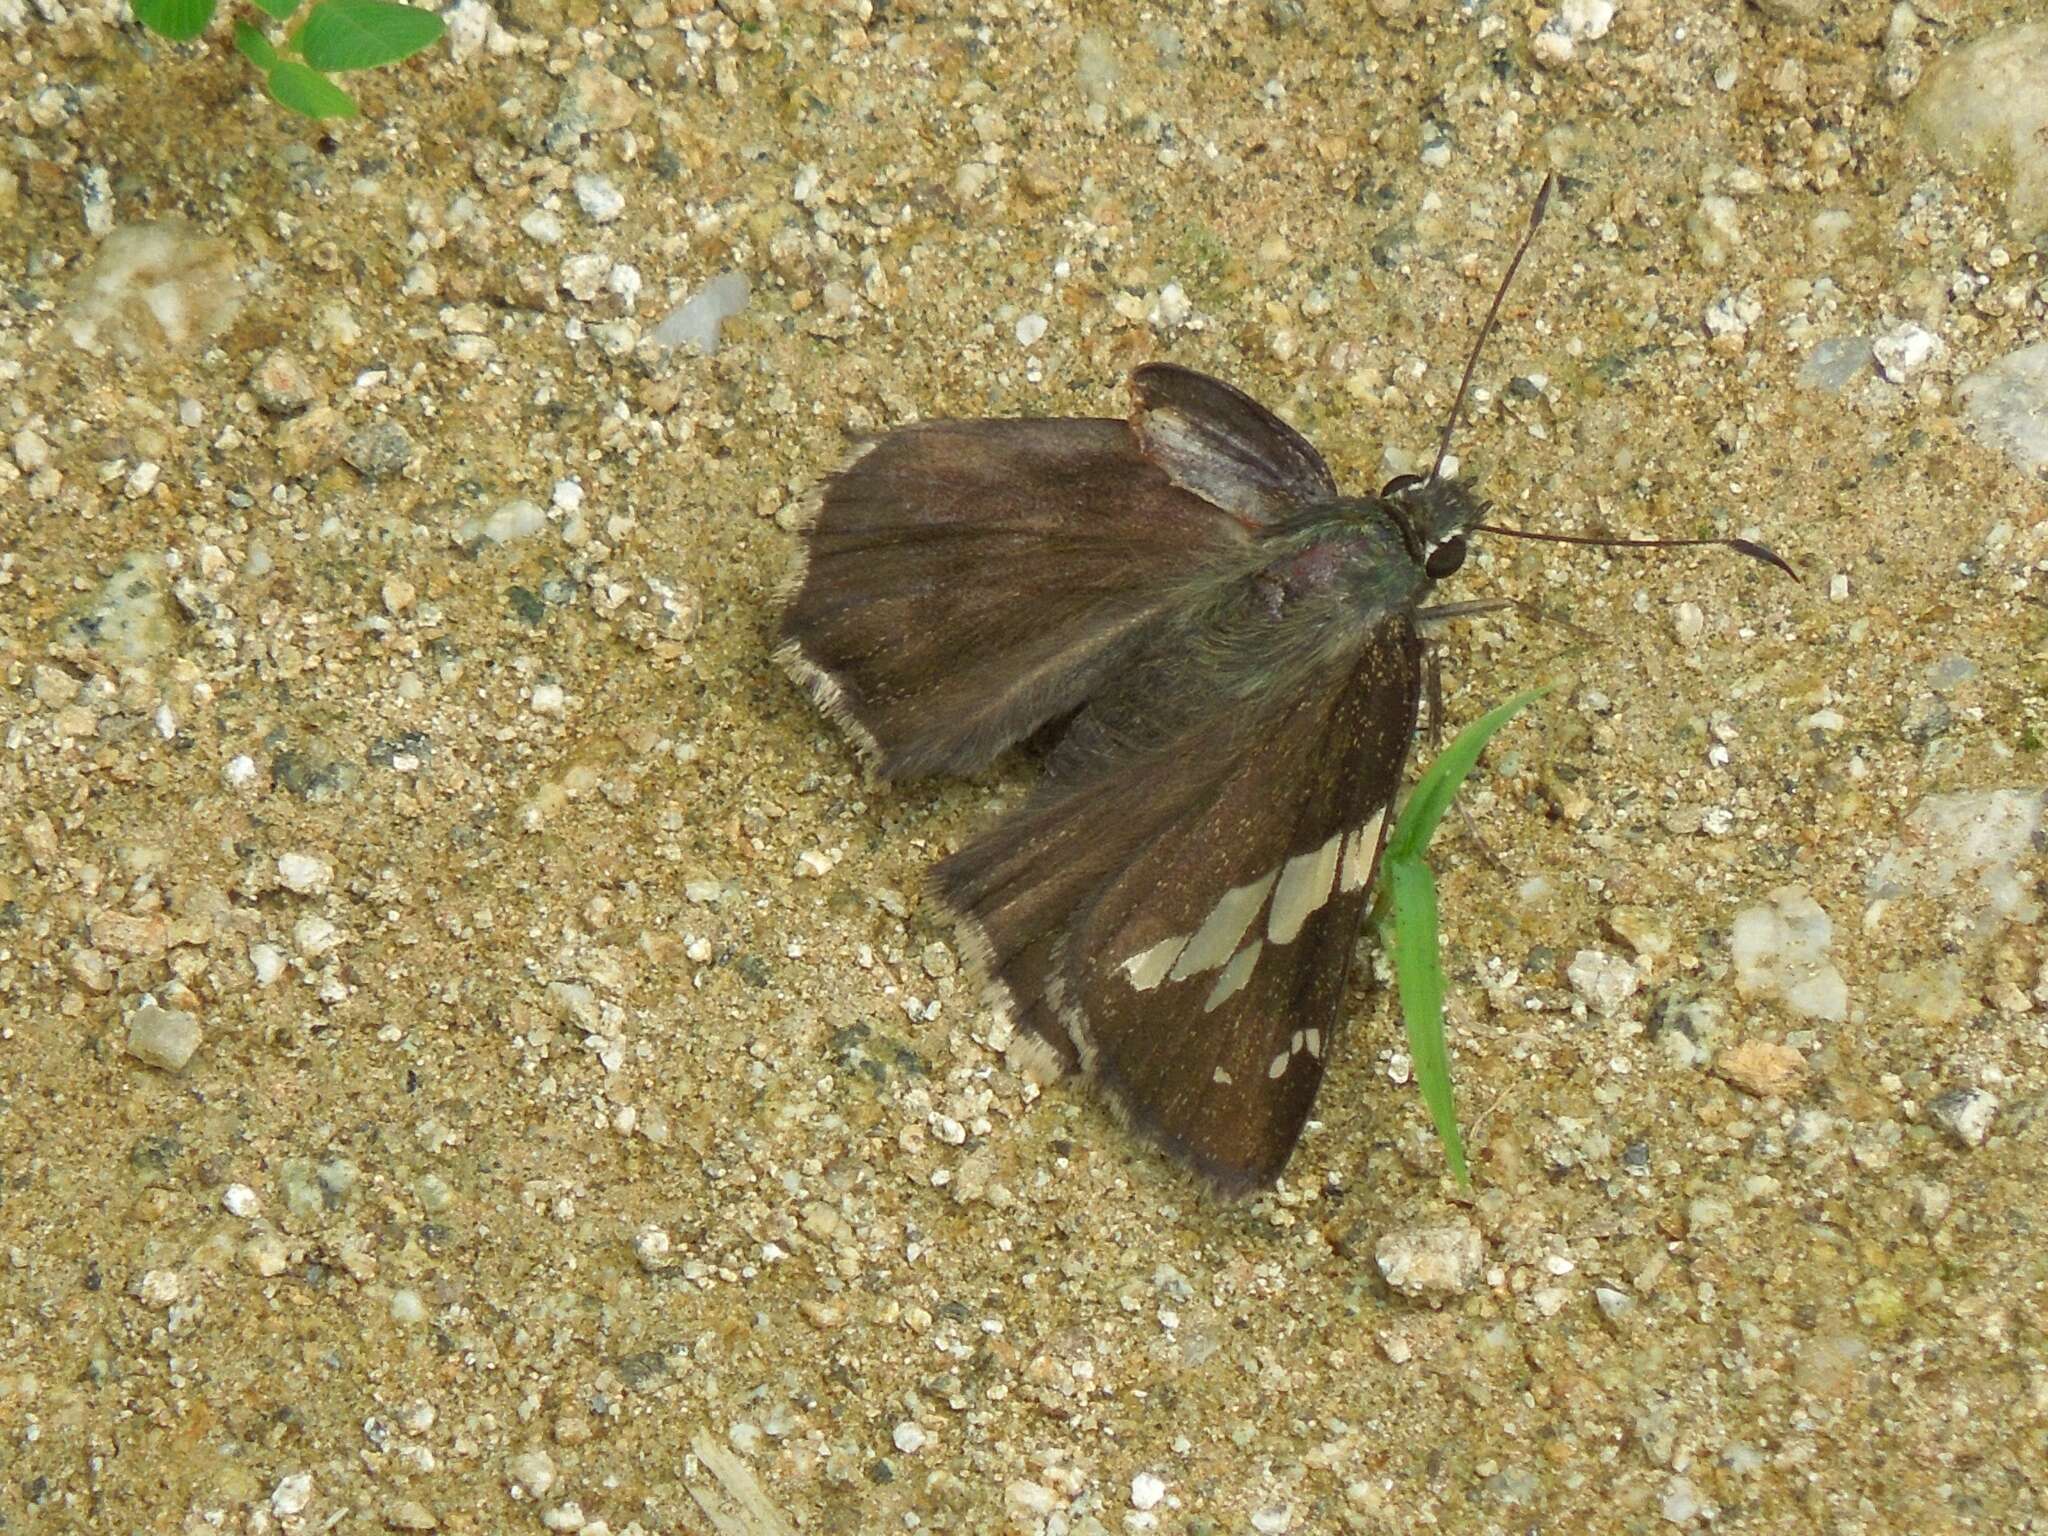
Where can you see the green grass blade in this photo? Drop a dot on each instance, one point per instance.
(1404, 914)
(1419, 974)
(1438, 785)
(252, 45)
(361, 34)
(308, 92)
(178, 20)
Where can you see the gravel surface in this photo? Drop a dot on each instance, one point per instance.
(473, 1053)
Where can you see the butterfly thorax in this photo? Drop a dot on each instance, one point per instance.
(1371, 554)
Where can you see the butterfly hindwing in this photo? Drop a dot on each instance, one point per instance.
(1180, 921)
(1211, 1028)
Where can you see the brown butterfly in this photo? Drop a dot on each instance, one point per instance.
(1222, 647)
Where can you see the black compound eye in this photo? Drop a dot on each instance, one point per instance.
(1445, 558)
(1400, 483)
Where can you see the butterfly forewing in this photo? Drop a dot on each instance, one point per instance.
(897, 622)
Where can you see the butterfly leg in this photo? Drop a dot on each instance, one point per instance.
(1443, 612)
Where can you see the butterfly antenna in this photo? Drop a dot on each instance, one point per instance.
(1748, 547)
(1443, 446)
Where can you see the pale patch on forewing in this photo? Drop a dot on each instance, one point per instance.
(1234, 976)
(1313, 1041)
(1304, 886)
(1221, 1078)
(1361, 852)
(1145, 971)
(1216, 941)
(1278, 1065)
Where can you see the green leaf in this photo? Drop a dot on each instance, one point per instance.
(361, 34)
(1405, 917)
(252, 45)
(308, 92)
(276, 10)
(1419, 974)
(178, 20)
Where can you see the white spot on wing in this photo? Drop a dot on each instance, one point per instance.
(1234, 976)
(1315, 1043)
(1304, 886)
(1278, 1064)
(1217, 939)
(1361, 848)
(1221, 1077)
(1147, 970)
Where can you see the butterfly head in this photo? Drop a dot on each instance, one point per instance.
(1434, 515)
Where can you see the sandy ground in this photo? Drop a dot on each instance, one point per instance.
(589, 1127)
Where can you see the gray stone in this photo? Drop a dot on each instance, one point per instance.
(1431, 1263)
(163, 1037)
(1966, 849)
(1985, 104)
(1780, 949)
(697, 321)
(2007, 404)
(128, 619)
(380, 450)
(1964, 1115)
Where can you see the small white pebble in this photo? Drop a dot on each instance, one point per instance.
(514, 520)
(163, 1037)
(268, 962)
(292, 1495)
(240, 771)
(1905, 350)
(542, 226)
(304, 873)
(314, 936)
(533, 1471)
(1031, 329)
(240, 1200)
(600, 201)
(909, 1437)
(1174, 308)
(1147, 1489)
(651, 1247)
(548, 699)
(265, 1256)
